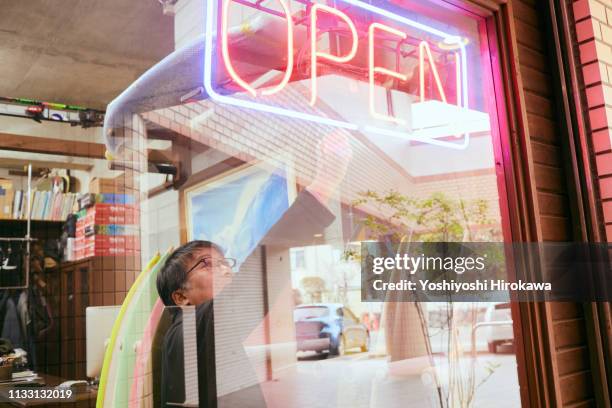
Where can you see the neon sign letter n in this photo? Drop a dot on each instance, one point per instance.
(424, 47)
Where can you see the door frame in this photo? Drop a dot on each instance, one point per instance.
(514, 163)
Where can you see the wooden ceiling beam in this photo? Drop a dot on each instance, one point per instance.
(45, 145)
(17, 165)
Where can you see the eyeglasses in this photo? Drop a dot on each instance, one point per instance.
(209, 262)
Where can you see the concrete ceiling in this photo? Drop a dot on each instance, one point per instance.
(82, 52)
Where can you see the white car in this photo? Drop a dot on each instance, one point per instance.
(329, 326)
(500, 333)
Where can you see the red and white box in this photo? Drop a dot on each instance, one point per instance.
(120, 214)
(106, 245)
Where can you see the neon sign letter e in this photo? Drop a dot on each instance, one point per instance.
(373, 69)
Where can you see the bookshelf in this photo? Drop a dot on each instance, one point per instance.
(8, 220)
(28, 237)
(45, 206)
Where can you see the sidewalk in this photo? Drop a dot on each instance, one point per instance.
(360, 380)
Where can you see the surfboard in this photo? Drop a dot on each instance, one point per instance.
(112, 378)
(143, 369)
(134, 322)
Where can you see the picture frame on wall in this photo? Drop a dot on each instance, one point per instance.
(236, 209)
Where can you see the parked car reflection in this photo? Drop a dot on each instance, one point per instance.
(500, 332)
(329, 327)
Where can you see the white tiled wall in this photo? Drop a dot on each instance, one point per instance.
(188, 21)
(160, 228)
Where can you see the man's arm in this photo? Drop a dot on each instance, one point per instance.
(309, 214)
(298, 226)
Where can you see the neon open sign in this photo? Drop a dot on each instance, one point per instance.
(459, 120)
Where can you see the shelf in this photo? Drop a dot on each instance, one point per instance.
(20, 220)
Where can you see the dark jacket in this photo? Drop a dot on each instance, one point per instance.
(306, 217)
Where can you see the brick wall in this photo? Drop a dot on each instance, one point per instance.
(564, 337)
(253, 136)
(594, 33)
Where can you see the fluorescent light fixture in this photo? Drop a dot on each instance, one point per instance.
(438, 119)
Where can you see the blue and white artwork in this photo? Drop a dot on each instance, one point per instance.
(238, 211)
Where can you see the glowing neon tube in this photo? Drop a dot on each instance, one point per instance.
(315, 54)
(373, 69)
(228, 62)
(211, 31)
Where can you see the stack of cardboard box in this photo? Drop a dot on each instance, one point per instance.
(108, 226)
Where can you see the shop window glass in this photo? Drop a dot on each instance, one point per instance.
(384, 126)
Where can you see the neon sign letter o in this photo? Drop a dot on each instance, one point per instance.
(228, 63)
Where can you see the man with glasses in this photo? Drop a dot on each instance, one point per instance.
(198, 271)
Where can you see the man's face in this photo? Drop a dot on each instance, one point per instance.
(205, 281)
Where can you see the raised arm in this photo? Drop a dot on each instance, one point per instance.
(309, 214)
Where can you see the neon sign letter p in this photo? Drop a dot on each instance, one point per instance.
(228, 62)
(373, 69)
(314, 53)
